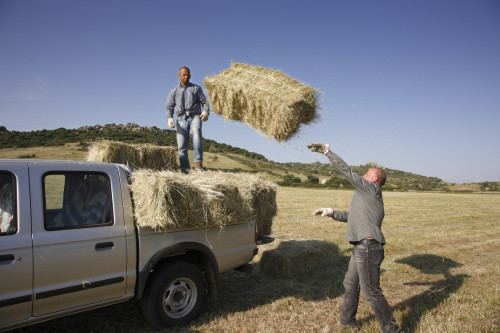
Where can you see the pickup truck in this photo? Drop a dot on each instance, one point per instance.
(68, 243)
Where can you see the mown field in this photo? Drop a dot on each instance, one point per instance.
(441, 272)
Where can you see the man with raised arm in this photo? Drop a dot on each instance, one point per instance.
(364, 221)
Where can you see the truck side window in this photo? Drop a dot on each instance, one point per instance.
(8, 204)
(76, 200)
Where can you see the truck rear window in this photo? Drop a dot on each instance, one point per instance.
(76, 200)
(8, 204)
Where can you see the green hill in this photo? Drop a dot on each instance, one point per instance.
(64, 143)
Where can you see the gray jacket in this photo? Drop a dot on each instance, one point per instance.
(366, 212)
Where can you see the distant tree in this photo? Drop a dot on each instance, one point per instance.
(312, 179)
(337, 182)
(290, 180)
(489, 186)
(388, 187)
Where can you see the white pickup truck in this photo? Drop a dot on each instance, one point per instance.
(68, 243)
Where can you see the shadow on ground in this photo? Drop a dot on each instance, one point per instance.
(310, 269)
(417, 306)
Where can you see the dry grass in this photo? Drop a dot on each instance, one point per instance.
(265, 99)
(172, 201)
(70, 151)
(440, 273)
(297, 259)
(137, 156)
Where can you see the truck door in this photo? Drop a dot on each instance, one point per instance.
(79, 242)
(16, 257)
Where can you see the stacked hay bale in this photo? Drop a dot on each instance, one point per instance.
(264, 204)
(169, 201)
(297, 259)
(136, 156)
(265, 99)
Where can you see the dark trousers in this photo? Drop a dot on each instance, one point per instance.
(364, 274)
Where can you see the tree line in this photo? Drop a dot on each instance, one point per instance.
(129, 133)
(319, 175)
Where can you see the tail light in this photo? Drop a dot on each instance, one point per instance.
(256, 234)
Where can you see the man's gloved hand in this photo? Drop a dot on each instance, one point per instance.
(319, 148)
(171, 123)
(324, 212)
(204, 116)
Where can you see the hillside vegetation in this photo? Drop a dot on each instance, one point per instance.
(73, 144)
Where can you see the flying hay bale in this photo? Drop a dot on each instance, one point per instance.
(170, 201)
(137, 156)
(296, 259)
(265, 99)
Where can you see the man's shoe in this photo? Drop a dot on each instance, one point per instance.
(198, 166)
(350, 325)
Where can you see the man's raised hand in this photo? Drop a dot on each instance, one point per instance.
(319, 148)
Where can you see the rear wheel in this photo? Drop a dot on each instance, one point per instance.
(175, 296)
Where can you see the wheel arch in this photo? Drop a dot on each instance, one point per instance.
(191, 252)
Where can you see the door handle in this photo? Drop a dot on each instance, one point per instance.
(7, 258)
(104, 246)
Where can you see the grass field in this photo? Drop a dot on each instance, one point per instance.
(441, 272)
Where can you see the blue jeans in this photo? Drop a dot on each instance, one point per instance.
(364, 274)
(184, 125)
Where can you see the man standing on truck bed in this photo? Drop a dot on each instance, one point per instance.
(364, 220)
(187, 100)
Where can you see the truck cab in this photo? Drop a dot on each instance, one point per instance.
(65, 247)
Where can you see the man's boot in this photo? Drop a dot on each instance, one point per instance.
(198, 166)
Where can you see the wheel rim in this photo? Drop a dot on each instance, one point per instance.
(180, 298)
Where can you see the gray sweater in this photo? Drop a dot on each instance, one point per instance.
(366, 212)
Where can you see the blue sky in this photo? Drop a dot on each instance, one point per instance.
(411, 85)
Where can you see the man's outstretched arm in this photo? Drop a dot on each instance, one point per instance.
(337, 215)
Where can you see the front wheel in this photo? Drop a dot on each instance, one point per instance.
(175, 296)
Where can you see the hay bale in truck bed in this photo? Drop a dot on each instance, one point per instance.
(136, 156)
(171, 201)
(265, 99)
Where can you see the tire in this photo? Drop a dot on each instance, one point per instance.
(175, 295)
